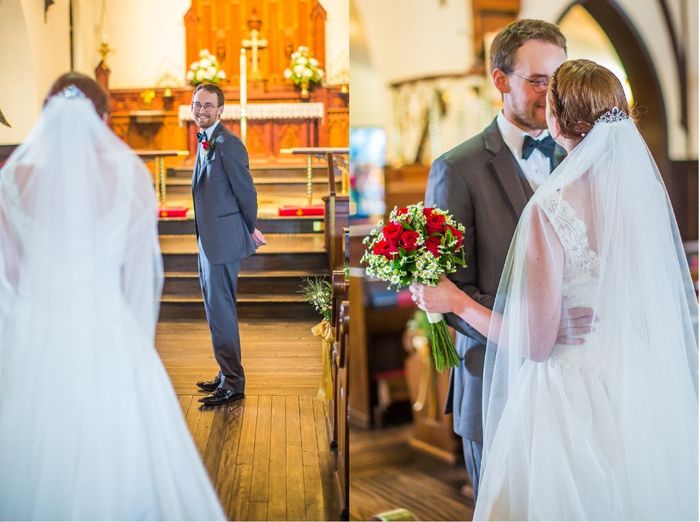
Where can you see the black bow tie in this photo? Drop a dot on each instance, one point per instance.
(201, 136)
(546, 146)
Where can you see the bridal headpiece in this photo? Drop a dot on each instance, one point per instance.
(613, 115)
(71, 92)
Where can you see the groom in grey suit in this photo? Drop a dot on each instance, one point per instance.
(485, 183)
(226, 208)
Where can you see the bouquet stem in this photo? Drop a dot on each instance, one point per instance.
(444, 353)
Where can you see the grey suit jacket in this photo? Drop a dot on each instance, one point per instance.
(225, 200)
(480, 183)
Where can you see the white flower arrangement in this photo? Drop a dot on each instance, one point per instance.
(206, 69)
(303, 68)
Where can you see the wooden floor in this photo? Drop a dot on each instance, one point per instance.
(267, 455)
(386, 473)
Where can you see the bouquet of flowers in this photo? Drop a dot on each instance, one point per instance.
(419, 245)
(206, 69)
(318, 292)
(303, 69)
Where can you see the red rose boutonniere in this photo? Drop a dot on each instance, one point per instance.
(209, 147)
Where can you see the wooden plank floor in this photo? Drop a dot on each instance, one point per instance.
(267, 455)
(386, 473)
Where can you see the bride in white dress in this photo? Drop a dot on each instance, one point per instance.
(605, 429)
(90, 426)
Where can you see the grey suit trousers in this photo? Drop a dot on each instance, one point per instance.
(472, 458)
(219, 284)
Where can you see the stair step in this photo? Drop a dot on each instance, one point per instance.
(300, 180)
(283, 252)
(248, 307)
(281, 191)
(267, 225)
(271, 282)
(276, 244)
(260, 171)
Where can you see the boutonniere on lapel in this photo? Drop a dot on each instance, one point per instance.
(207, 145)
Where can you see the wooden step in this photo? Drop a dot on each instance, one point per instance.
(273, 282)
(283, 189)
(283, 252)
(248, 307)
(260, 172)
(267, 225)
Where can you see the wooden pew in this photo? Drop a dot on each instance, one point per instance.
(340, 294)
(342, 355)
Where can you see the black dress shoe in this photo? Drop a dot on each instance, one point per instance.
(221, 396)
(210, 386)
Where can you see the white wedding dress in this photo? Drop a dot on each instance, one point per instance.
(606, 429)
(90, 426)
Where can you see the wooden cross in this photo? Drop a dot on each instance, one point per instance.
(254, 43)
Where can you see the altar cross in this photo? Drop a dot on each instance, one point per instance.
(254, 43)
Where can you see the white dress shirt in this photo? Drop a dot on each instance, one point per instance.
(537, 167)
(209, 131)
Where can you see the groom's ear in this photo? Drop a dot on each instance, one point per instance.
(500, 80)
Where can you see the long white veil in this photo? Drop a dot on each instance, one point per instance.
(69, 188)
(600, 233)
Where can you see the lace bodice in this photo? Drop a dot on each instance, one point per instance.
(581, 268)
(580, 261)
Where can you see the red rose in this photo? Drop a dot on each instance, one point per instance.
(432, 244)
(402, 211)
(408, 240)
(205, 145)
(434, 223)
(456, 234)
(392, 232)
(383, 248)
(427, 211)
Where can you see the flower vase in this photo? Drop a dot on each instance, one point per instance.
(304, 90)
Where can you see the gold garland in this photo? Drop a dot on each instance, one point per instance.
(326, 332)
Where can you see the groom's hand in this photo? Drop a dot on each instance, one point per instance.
(258, 238)
(575, 322)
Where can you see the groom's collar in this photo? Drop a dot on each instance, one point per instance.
(210, 130)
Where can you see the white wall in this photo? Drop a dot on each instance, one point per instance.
(148, 40)
(411, 38)
(337, 38)
(32, 54)
(395, 40)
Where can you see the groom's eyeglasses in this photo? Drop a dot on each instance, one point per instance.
(207, 106)
(538, 84)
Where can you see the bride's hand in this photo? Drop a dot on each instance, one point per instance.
(435, 299)
(576, 322)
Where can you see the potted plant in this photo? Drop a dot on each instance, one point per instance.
(206, 69)
(304, 70)
(319, 292)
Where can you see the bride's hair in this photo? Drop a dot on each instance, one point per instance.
(89, 87)
(580, 92)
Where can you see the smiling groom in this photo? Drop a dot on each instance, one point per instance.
(226, 207)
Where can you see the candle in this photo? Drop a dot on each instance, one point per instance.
(244, 97)
(244, 94)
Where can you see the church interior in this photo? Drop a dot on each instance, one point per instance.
(416, 95)
(280, 453)
(343, 415)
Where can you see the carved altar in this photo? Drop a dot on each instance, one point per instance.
(159, 118)
(222, 25)
(161, 122)
(271, 126)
